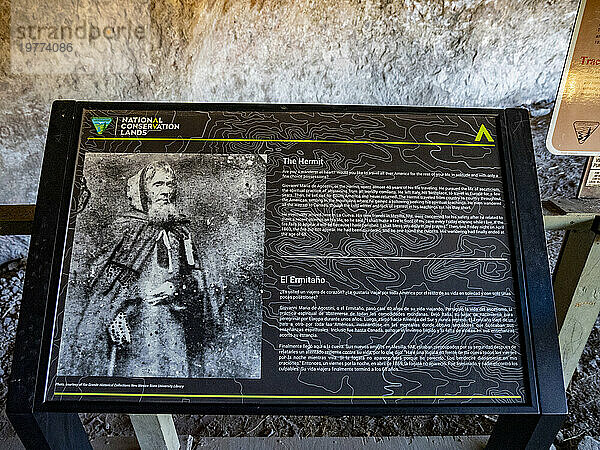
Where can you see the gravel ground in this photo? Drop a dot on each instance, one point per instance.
(558, 176)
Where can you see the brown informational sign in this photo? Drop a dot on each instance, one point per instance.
(576, 119)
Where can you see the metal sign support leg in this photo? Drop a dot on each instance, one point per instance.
(530, 432)
(49, 430)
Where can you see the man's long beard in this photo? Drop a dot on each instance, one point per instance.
(162, 213)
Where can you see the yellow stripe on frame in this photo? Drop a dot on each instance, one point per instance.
(109, 394)
(318, 141)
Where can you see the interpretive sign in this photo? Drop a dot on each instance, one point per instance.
(574, 126)
(259, 257)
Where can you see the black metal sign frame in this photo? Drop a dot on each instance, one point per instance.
(539, 342)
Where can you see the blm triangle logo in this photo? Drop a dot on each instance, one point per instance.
(584, 129)
(101, 123)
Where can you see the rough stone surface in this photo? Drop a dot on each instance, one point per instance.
(13, 248)
(11, 289)
(475, 53)
(428, 52)
(416, 52)
(589, 443)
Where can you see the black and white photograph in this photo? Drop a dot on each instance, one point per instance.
(166, 271)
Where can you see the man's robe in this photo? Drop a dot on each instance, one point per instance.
(114, 288)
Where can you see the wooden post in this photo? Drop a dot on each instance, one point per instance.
(155, 431)
(16, 219)
(577, 293)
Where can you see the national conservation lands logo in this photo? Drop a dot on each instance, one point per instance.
(584, 129)
(100, 123)
(133, 125)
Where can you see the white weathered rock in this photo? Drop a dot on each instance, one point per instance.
(449, 53)
(588, 443)
(13, 247)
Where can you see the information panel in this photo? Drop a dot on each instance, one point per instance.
(288, 257)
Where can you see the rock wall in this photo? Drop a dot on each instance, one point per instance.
(412, 52)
